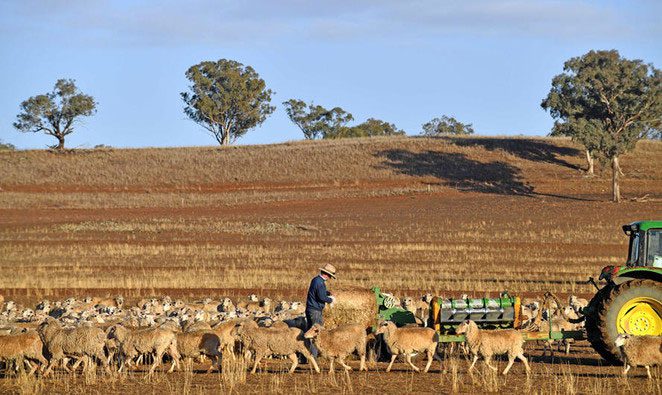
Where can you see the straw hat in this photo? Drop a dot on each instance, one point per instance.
(329, 269)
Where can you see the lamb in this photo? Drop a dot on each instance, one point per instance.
(264, 342)
(493, 342)
(409, 340)
(146, 341)
(193, 344)
(643, 351)
(22, 348)
(81, 342)
(339, 343)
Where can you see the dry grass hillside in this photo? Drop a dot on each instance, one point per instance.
(474, 214)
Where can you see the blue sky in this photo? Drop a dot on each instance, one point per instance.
(485, 62)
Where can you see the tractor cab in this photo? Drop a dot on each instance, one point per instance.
(645, 243)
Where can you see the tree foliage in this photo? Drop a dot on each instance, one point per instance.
(370, 128)
(318, 122)
(446, 125)
(55, 113)
(606, 103)
(6, 146)
(226, 98)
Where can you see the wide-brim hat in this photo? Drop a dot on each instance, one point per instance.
(329, 269)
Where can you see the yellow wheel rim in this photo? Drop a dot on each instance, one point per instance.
(640, 317)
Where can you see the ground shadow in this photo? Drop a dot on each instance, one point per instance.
(529, 149)
(458, 171)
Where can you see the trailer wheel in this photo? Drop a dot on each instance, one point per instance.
(633, 307)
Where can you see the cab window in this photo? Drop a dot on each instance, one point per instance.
(654, 247)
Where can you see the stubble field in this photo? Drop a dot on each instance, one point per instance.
(411, 215)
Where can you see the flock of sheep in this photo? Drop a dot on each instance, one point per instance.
(107, 333)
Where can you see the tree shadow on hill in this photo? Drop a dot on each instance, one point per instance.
(458, 171)
(529, 149)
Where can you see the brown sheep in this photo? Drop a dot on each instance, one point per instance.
(264, 342)
(22, 348)
(339, 343)
(493, 342)
(81, 342)
(643, 351)
(191, 345)
(408, 340)
(145, 341)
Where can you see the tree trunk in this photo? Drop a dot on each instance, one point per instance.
(60, 144)
(615, 170)
(226, 139)
(589, 160)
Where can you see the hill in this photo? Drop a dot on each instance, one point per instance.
(511, 166)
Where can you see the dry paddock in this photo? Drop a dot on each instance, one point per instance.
(579, 373)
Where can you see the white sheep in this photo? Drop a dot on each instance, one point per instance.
(643, 351)
(263, 342)
(339, 343)
(487, 343)
(408, 340)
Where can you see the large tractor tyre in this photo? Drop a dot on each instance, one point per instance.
(634, 307)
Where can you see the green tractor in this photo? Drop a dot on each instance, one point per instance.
(631, 301)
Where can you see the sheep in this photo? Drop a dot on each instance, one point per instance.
(560, 324)
(409, 340)
(226, 335)
(493, 342)
(577, 304)
(193, 344)
(83, 341)
(146, 341)
(194, 326)
(339, 343)
(22, 348)
(264, 342)
(643, 351)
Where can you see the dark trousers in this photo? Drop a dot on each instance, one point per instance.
(313, 317)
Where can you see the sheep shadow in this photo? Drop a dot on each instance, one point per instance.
(528, 149)
(458, 171)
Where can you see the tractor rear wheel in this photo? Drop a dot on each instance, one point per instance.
(634, 307)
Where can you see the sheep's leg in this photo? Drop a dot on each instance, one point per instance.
(430, 355)
(48, 368)
(408, 358)
(567, 348)
(303, 350)
(32, 368)
(362, 365)
(627, 368)
(332, 361)
(488, 359)
(648, 371)
(157, 361)
(295, 361)
(522, 358)
(388, 369)
(474, 362)
(511, 360)
(258, 357)
(174, 354)
(342, 363)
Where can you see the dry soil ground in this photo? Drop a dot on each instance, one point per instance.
(412, 215)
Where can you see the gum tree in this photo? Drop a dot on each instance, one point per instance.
(606, 103)
(55, 113)
(226, 98)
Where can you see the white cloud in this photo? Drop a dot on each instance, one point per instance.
(228, 22)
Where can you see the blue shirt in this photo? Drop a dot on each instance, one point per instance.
(317, 295)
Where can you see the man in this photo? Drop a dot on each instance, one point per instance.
(318, 296)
